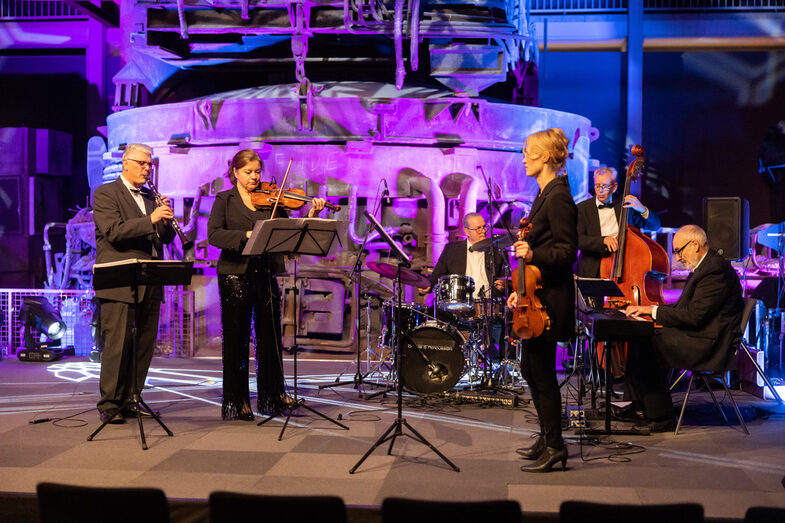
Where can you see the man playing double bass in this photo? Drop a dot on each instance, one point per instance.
(598, 222)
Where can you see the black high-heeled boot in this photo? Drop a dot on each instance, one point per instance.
(534, 451)
(549, 457)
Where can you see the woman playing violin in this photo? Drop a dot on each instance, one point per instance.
(248, 289)
(551, 246)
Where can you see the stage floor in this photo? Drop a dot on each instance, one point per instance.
(708, 463)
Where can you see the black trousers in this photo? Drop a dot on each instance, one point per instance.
(253, 295)
(116, 382)
(539, 370)
(646, 380)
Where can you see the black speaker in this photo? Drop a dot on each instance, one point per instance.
(727, 225)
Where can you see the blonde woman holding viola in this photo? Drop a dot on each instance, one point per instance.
(551, 246)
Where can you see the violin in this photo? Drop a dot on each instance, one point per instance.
(265, 196)
(529, 318)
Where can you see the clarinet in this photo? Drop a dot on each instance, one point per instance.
(159, 200)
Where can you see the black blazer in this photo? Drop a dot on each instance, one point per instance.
(122, 232)
(554, 242)
(227, 226)
(590, 242)
(453, 261)
(702, 330)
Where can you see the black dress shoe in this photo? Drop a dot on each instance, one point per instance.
(547, 460)
(288, 402)
(132, 411)
(628, 413)
(117, 420)
(534, 451)
(666, 424)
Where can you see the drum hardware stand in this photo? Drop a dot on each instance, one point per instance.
(375, 367)
(359, 378)
(400, 422)
(509, 370)
(311, 236)
(490, 379)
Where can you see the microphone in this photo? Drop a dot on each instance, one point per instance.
(437, 372)
(386, 192)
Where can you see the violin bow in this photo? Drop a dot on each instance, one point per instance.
(281, 189)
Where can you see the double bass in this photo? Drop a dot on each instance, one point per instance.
(638, 267)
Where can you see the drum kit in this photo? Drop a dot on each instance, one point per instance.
(446, 342)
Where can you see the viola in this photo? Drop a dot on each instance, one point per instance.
(529, 318)
(265, 196)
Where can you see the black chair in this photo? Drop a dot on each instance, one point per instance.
(764, 515)
(71, 504)
(585, 512)
(401, 510)
(230, 507)
(718, 375)
(749, 306)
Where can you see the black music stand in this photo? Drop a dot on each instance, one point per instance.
(132, 273)
(293, 236)
(397, 426)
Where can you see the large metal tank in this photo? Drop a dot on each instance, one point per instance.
(434, 149)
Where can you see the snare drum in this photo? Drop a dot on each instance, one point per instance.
(433, 358)
(455, 293)
(412, 315)
(495, 308)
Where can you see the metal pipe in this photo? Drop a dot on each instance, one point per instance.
(400, 70)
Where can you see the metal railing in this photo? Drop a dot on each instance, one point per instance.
(617, 6)
(37, 10)
(75, 307)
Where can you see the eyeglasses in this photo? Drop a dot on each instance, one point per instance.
(480, 228)
(678, 251)
(604, 186)
(141, 163)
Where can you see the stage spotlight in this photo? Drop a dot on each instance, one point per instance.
(43, 329)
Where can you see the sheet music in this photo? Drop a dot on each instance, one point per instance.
(284, 235)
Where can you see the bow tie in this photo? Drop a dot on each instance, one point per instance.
(605, 206)
(136, 191)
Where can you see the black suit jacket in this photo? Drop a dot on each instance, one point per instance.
(702, 330)
(554, 242)
(123, 232)
(227, 226)
(590, 243)
(453, 261)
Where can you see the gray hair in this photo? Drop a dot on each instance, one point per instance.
(467, 216)
(692, 232)
(131, 147)
(607, 170)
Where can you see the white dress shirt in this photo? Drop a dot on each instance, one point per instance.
(609, 225)
(136, 194)
(475, 269)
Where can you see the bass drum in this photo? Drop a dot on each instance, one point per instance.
(432, 358)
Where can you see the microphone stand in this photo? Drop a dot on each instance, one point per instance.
(359, 378)
(489, 376)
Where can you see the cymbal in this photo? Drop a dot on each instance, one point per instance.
(374, 286)
(408, 276)
(500, 242)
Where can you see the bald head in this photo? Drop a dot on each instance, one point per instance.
(690, 245)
